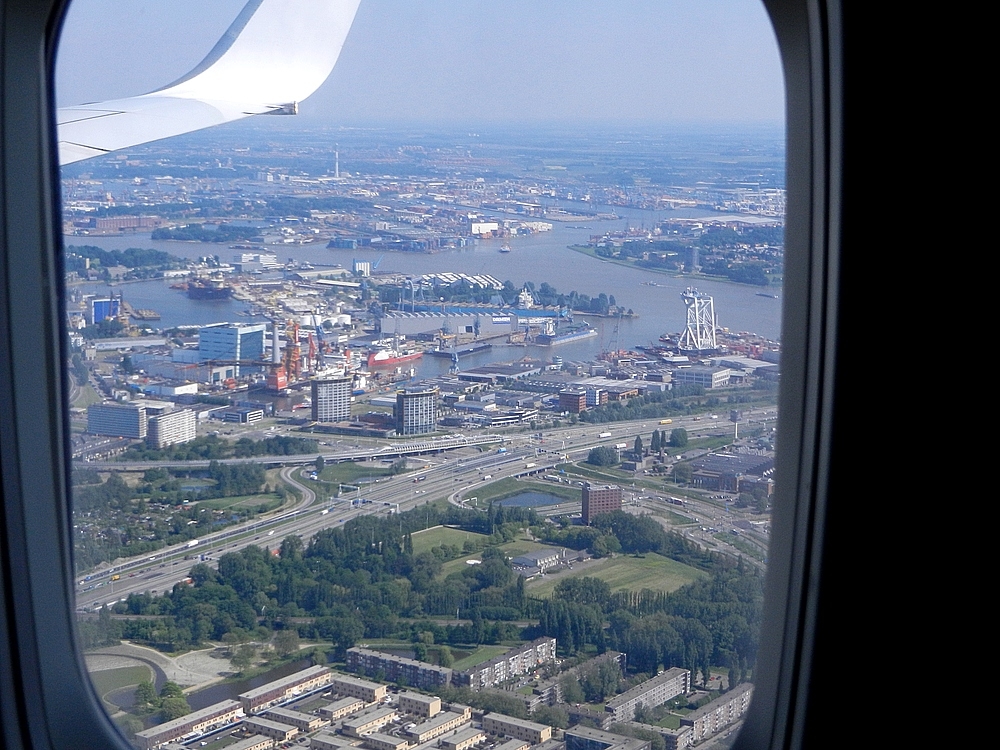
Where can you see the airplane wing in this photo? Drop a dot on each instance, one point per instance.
(275, 54)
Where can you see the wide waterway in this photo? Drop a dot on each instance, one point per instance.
(542, 257)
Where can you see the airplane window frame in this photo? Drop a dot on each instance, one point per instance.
(47, 700)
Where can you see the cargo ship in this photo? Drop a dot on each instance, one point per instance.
(209, 289)
(392, 357)
(463, 351)
(554, 339)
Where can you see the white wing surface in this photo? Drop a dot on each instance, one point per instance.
(275, 54)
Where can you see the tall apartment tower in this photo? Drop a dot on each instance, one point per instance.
(331, 399)
(598, 499)
(416, 411)
(230, 341)
(171, 428)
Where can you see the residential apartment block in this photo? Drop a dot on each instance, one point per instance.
(302, 721)
(376, 741)
(653, 692)
(368, 722)
(281, 690)
(520, 729)
(518, 661)
(720, 713)
(171, 428)
(341, 708)
(584, 738)
(275, 730)
(216, 715)
(370, 692)
(441, 724)
(416, 673)
(419, 704)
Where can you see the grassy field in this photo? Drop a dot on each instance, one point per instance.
(109, 680)
(243, 501)
(602, 473)
(86, 396)
(481, 654)
(622, 573)
(424, 540)
(499, 489)
(674, 519)
(349, 472)
(670, 721)
(509, 487)
(743, 545)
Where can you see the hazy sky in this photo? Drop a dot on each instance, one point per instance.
(468, 61)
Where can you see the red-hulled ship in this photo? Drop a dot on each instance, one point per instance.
(392, 357)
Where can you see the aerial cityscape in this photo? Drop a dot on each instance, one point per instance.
(407, 401)
(443, 414)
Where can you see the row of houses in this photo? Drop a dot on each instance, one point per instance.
(517, 661)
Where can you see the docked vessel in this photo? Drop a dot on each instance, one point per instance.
(391, 357)
(213, 289)
(554, 339)
(461, 351)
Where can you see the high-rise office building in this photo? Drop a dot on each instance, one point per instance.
(171, 428)
(117, 420)
(232, 342)
(598, 499)
(416, 411)
(331, 399)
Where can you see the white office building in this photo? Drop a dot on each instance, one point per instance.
(117, 420)
(416, 411)
(171, 428)
(331, 399)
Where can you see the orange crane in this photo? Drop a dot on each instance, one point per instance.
(313, 361)
(293, 353)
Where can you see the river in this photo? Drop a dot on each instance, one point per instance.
(540, 257)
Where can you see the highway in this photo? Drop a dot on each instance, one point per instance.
(455, 476)
(376, 451)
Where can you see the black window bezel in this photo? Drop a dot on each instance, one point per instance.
(47, 700)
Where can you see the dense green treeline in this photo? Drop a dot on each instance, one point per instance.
(212, 447)
(203, 233)
(133, 257)
(363, 580)
(708, 622)
(682, 400)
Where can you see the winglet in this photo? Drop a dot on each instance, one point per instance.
(275, 54)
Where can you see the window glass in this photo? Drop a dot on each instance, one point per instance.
(461, 382)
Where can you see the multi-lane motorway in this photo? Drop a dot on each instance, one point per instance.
(454, 474)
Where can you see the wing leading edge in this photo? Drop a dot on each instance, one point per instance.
(275, 54)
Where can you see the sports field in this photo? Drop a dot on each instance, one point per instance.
(650, 571)
(424, 541)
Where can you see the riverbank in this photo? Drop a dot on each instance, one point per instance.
(592, 253)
